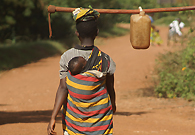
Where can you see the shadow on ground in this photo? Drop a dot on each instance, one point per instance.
(26, 117)
(40, 116)
(130, 113)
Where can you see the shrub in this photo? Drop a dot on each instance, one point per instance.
(176, 72)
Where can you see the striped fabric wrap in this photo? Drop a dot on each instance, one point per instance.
(88, 110)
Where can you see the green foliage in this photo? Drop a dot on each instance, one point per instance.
(177, 73)
(134, 4)
(28, 18)
(22, 18)
(62, 25)
(184, 15)
(168, 19)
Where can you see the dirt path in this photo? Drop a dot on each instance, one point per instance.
(27, 95)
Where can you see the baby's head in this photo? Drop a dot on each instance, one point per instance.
(76, 65)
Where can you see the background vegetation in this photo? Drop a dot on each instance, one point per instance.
(26, 20)
(176, 71)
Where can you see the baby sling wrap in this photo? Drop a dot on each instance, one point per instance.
(89, 110)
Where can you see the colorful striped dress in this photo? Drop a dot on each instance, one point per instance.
(88, 110)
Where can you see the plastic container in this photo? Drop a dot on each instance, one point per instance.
(140, 26)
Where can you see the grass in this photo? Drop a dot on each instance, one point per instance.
(16, 55)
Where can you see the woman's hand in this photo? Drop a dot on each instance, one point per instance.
(51, 127)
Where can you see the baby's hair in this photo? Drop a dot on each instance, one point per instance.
(87, 28)
(75, 66)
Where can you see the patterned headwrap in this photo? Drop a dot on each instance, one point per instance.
(81, 14)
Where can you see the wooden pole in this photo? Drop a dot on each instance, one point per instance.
(53, 9)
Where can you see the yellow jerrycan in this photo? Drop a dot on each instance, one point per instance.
(140, 27)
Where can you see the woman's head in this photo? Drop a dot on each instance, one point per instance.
(87, 29)
(86, 22)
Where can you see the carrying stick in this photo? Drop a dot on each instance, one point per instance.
(53, 9)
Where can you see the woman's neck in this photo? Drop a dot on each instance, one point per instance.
(87, 42)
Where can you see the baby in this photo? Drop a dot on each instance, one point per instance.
(76, 65)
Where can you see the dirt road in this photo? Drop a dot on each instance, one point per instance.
(27, 95)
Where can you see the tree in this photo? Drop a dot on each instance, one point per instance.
(22, 18)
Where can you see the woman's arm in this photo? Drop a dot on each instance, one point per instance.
(111, 90)
(61, 97)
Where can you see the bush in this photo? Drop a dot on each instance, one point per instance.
(176, 72)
